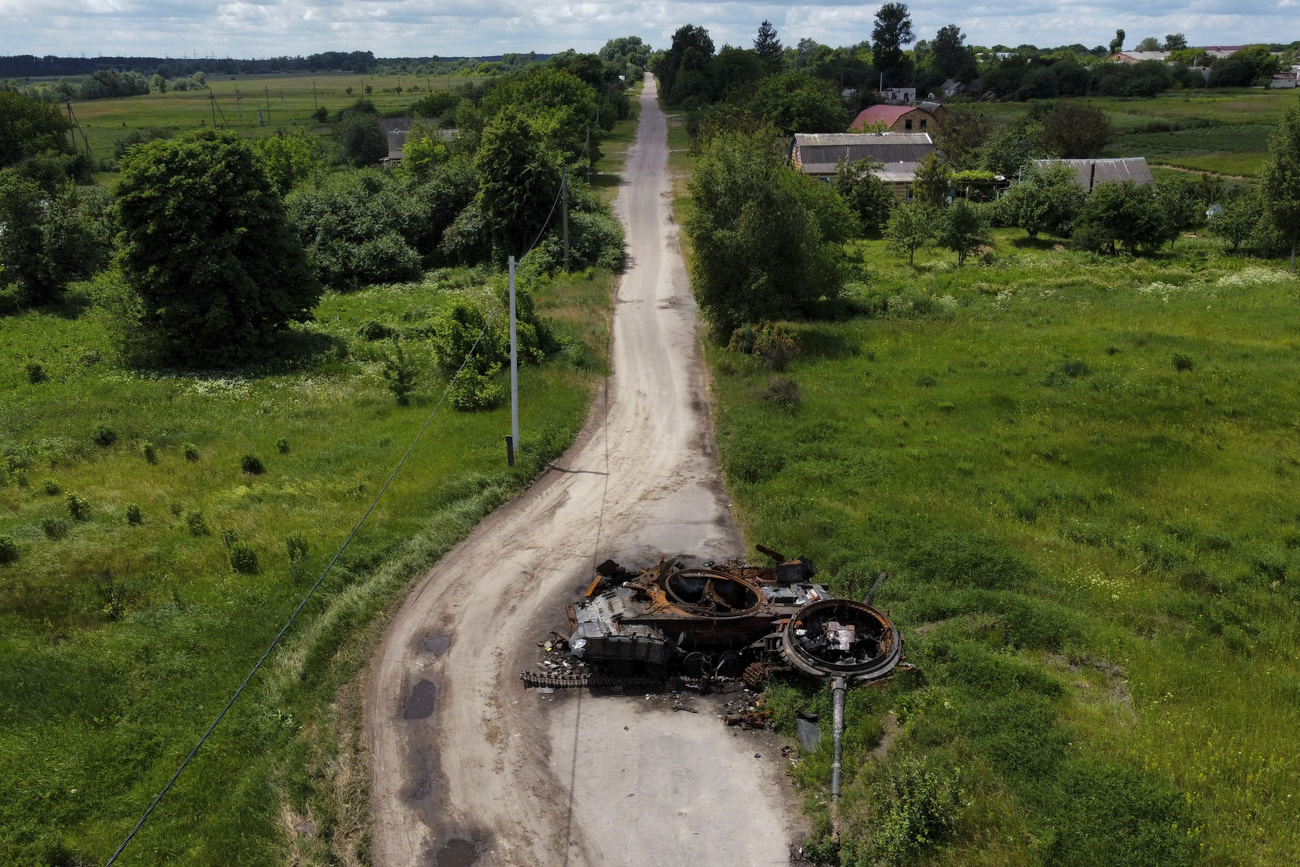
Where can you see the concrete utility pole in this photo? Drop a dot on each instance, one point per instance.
(514, 372)
(564, 213)
(588, 154)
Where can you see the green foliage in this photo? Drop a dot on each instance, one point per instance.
(794, 102)
(932, 183)
(29, 127)
(1074, 131)
(400, 373)
(282, 446)
(1124, 213)
(1280, 180)
(918, 806)
(519, 178)
(149, 452)
(296, 547)
(78, 507)
(243, 558)
(425, 149)
(1047, 200)
(104, 436)
(50, 487)
(195, 522)
(353, 227)
(51, 238)
(208, 249)
(865, 193)
(964, 228)
(911, 226)
(8, 550)
(1238, 220)
(763, 236)
(54, 528)
(358, 137)
(289, 158)
(191, 452)
(35, 372)
(251, 465)
(134, 516)
(891, 31)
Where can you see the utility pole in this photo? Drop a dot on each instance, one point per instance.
(239, 108)
(588, 153)
(313, 94)
(564, 213)
(212, 100)
(513, 444)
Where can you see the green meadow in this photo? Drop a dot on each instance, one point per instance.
(159, 528)
(1080, 472)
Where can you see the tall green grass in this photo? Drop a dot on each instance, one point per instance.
(120, 641)
(1079, 471)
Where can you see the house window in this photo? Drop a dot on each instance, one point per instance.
(907, 124)
(922, 123)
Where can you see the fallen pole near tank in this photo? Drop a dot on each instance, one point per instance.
(838, 688)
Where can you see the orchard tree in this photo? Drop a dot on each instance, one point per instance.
(1238, 220)
(1047, 200)
(892, 30)
(1175, 42)
(963, 229)
(360, 140)
(933, 180)
(1125, 213)
(208, 250)
(1280, 182)
(1148, 44)
(1074, 131)
(912, 225)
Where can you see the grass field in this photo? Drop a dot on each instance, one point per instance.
(286, 101)
(1080, 473)
(152, 569)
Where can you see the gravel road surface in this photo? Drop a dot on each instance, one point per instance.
(468, 766)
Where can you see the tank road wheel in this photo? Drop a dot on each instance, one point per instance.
(694, 664)
(730, 665)
(755, 675)
(656, 670)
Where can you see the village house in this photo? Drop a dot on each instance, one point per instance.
(896, 118)
(1088, 173)
(819, 154)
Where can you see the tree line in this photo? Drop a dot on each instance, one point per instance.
(212, 246)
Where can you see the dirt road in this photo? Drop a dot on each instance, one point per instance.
(468, 766)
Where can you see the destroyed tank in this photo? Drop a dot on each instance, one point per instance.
(719, 620)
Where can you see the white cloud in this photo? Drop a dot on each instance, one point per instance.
(391, 28)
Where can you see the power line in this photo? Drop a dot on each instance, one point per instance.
(306, 599)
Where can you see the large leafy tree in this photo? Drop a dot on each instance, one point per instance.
(683, 70)
(1047, 200)
(951, 56)
(1074, 131)
(1280, 182)
(28, 128)
(208, 249)
(933, 180)
(360, 140)
(865, 193)
(794, 101)
(963, 229)
(519, 177)
(892, 30)
(764, 236)
(1125, 213)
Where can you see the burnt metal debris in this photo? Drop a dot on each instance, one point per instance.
(722, 622)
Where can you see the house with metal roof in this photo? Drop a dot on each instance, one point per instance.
(819, 154)
(896, 118)
(1088, 173)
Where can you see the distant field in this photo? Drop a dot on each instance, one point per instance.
(1233, 149)
(234, 101)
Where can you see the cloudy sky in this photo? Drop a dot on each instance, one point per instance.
(394, 28)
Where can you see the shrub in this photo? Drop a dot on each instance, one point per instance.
(295, 545)
(243, 558)
(774, 346)
(54, 528)
(782, 391)
(1182, 362)
(133, 514)
(78, 508)
(918, 807)
(8, 550)
(282, 446)
(252, 465)
(51, 487)
(194, 522)
(191, 452)
(104, 436)
(475, 391)
(373, 330)
(229, 538)
(36, 372)
(400, 373)
(150, 453)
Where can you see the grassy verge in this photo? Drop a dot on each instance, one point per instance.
(1078, 471)
(122, 639)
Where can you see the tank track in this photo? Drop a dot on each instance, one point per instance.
(579, 681)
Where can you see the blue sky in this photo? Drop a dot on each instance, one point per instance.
(260, 28)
